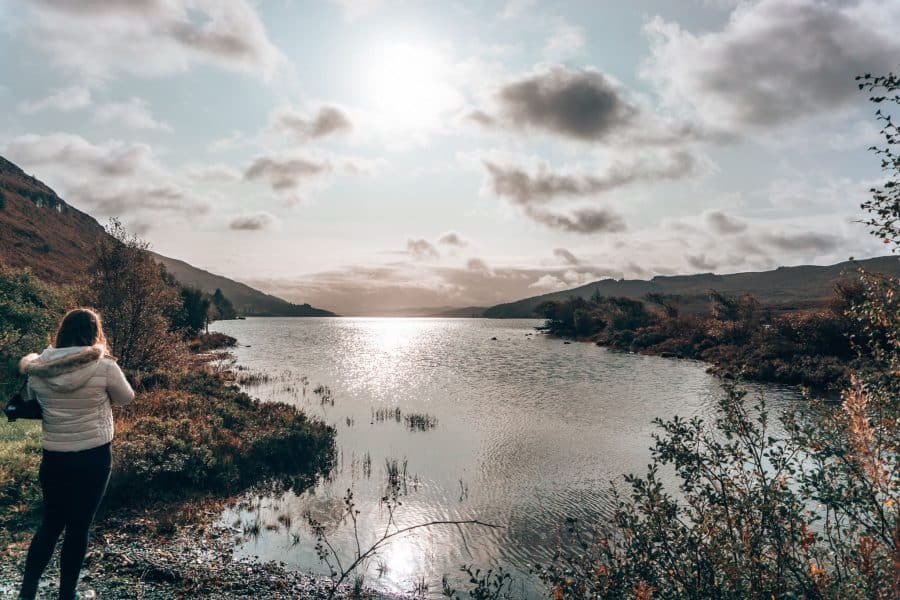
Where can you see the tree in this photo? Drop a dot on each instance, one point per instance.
(29, 312)
(128, 288)
(221, 306)
(194, 312)
(813, 513)
(668, 302)
(884, 206)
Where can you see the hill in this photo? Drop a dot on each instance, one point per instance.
(785, 287)
(41, 232)
(246, 300)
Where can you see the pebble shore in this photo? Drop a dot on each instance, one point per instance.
(196, 561)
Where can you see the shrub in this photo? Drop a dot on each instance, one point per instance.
(127, 286)
(29, 313)
(203, 435)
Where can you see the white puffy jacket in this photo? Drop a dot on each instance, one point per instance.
(75, 388)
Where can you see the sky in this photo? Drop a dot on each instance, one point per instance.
(367, 156)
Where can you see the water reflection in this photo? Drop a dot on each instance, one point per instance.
(527, 433)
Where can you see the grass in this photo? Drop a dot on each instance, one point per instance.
(195, 440)
(20, 456)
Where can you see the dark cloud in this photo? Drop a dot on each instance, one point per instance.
(774, 61)
(582, 220)
(723, 224)
(583, 105)
(252, 222)
(482, 118)
(523, 188)
(566, 256)
(285, 173)
(807, 242)
(701, 262)
(328, 120)
(421, 249)
(451, 238)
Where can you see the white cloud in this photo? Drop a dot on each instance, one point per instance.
(64, 99)
(152, 37)
(566, 42)
(113, 178)
(134, 113)
(515, 8)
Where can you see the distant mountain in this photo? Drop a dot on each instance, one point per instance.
(786, 287)
(246, 300)
(464, 312)
(41, 232)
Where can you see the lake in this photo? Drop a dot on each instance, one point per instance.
(527, 431)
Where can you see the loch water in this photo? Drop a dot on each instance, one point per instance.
(528, 431)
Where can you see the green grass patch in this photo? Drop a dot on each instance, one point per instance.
(20, 457)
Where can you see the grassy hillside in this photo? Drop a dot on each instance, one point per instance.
(785, 287)
(246, 300)
(41, 232)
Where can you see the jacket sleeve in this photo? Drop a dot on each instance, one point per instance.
(117, 387)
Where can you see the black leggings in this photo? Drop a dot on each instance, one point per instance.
(73, 484)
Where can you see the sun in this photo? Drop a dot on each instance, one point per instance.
(407, 84)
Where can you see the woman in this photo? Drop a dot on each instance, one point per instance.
(75, 381)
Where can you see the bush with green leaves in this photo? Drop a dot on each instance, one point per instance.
(812, 512)
(29, 313)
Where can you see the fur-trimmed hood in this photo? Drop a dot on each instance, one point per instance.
(64, 369)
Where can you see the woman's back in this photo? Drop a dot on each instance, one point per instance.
(75, 386)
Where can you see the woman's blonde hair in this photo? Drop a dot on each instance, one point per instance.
(81, 327)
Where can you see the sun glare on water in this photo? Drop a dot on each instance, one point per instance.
(407, 84)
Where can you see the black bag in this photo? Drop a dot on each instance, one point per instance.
(18, 407)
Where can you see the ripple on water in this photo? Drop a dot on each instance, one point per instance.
(530, 433)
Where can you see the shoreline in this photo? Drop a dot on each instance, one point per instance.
(168, 548)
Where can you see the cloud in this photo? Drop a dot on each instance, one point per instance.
(451, 238)
(514, 8)
(524, 187)
(723, 224)
(64, 99)
(135, 114)
(112, 178)
(582, 105)
(252, 222)
(111, 159)
(421, 249)
(328, 120)
(566, 256)
(476, 264)
(533, 189)
(774, 61)
(701, 263)
(566, 41)
(214, 173)
(152, 37)
(141, 197)
(804, 242)
(582, 220)
(383, 289)
(284, 174)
